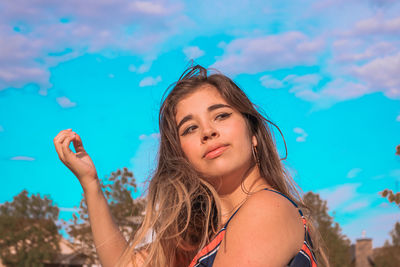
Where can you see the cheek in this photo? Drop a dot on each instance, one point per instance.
(240, 136)
(188, 149)
(238, 131)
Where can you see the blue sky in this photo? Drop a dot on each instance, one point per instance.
(326, 72)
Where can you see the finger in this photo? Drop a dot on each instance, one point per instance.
(65, 147)
(61, 140)
(61, 134)
(58, 144)
(77, 141)
(59, 151)
(61, 137)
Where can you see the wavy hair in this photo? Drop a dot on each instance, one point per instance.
(183, 211)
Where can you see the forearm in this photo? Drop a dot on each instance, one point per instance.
(108, 239)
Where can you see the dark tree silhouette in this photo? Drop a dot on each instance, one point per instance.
(337, 244)
(28, 230)
(389, 254)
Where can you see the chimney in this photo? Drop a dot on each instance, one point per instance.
(363, 251)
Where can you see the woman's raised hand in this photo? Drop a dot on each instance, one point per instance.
(79, 163)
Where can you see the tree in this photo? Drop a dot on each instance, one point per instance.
(337, 244)
(389, 194)
(392, 197)
(29, 234)
(389, 254)
(127, 212)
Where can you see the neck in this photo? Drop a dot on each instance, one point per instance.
(234, 194)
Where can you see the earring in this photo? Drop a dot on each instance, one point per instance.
(255, 155)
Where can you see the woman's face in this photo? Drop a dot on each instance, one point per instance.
(213, 135)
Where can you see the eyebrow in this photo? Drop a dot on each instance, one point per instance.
(209, 109)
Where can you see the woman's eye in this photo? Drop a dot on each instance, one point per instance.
(223, 116)
(189, 129)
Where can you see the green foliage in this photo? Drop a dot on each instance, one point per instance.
(389, 254)
(337, 244)
(127, 212)
(29, 235)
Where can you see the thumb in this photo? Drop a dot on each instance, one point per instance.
(77, 141)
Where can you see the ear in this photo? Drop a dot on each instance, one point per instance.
(254, 140)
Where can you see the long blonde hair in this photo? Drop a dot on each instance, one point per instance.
(182, 212)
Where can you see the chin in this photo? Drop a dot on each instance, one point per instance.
(219, 172)
(228, 169)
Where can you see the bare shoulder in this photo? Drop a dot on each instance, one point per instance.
(267, 228)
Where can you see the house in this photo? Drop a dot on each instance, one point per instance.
(68, 257)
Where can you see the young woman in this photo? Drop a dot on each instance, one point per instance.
(220, 195)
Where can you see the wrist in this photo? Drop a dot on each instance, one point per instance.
(92, 186)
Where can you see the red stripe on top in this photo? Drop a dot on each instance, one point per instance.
(309, 254)
(212, 245)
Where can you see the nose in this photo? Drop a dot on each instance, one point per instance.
(209, 133)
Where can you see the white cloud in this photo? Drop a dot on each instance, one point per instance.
(150, 81)
(363, 62)
(155, 135)
(35, 37)
(377, 25)
(270, 82)
(332, 92)
(356, 64)
(311, 79)
(354, 50)
(148, 7)
(377, 223)
(353, 173)
(300, 139)
(193, 52)
(23, 158)
(395, 173)
(132, 68)
(297, 83)
(339, 195)
(355, 206)
(271, 52)
(302, 133)
(382, 74)
(357, 211)
(145, 67)
(329, 4)
(398, 118)
(65, 102)
(150, 136)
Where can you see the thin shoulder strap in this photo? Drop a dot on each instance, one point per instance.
(306, 234)
(226, 224)
(294, 203)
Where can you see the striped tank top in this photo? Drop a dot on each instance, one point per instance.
(305, 257)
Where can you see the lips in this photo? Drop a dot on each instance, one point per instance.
(215, 151)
